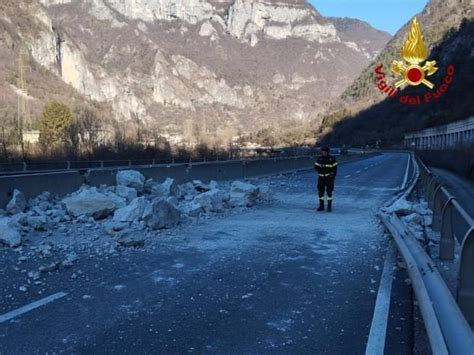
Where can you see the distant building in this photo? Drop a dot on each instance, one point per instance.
(31, 136)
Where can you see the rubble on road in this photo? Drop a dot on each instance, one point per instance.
(118, 214)
(243, 194)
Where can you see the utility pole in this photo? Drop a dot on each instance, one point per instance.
(23, 109)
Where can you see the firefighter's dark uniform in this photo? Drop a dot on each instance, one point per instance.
(326, 166)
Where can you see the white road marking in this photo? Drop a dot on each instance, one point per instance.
(358, 171)
(347, 176)
(29, 307)
(406, 173)
(378, 329)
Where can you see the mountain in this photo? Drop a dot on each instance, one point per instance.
(448, 31)
(184, 66)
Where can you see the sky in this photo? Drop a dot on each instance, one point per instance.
(386, 15)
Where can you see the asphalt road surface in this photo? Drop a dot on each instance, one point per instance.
(277, 278)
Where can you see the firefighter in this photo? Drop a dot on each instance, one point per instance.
(326, 166)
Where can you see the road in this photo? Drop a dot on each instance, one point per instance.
(277, 278)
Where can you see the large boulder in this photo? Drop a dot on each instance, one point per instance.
(133, 239)
(39, 223)
(165, 189)
(130, 178)
(192, 209)
(17, 204)
(132, 212)
(212, 200)
(90, 202)
(161, 214)
(9, 234)
(118, 200)
(186, 191)
(128, 193)
(243, 194)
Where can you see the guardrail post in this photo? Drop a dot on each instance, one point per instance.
(465, 292)
(101, 163)
(437, 209)
(129, 163)
(68, 165)
(25, 167)
(153, 162)
(433, 187)
(428, 188)
(446, 243)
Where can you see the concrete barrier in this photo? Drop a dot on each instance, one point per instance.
(62, 183)
(58, 184)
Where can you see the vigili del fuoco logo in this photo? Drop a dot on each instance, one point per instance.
(414, 70)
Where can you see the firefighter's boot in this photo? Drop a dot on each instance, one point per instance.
(329, 206)
(321, 205)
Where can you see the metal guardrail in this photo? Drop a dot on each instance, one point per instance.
(447, 328)
(13, 168)
(453, 223)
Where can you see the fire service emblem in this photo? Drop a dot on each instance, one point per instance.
(414, 52)
(413, 70)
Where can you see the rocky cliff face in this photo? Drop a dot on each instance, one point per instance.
(236, 64)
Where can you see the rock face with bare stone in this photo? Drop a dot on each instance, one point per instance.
(209, 80)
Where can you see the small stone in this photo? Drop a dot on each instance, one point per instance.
(49, 268)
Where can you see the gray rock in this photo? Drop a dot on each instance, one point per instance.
(132, 212)
(44, 196)
(164, 189)
(192, 209)
(17, 204)
(243, 194)
(119, 201)
(186, 191)
(128, 193)
(39, 223)
(70, 259)
(90, 202)
(173, 200)
(161, 214)
(130, 178)
(49, 267)
(132, 239)
(199, 186)
(9, 234)
(112, 227)
(213, 184)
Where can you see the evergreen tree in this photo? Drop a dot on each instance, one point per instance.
(54, 124)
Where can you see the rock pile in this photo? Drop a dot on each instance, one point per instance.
(125, 211)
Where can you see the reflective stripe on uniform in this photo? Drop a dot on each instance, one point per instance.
(329, 198)
(326, 165)
(330, 174)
